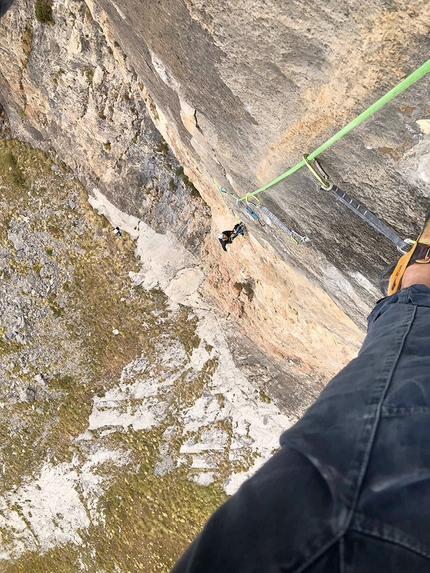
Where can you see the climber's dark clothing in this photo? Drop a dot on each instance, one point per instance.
(239, 229)
(349, 490)
(226, 237)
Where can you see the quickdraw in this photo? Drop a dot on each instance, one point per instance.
(356, 207)
(295, 237)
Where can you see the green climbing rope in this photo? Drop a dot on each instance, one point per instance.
(401, 87)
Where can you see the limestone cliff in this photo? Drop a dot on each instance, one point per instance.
(153, 104)
(87, 86)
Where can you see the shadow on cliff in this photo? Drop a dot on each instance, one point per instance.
(4, 6)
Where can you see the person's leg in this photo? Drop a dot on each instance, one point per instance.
(351, 482)
(416, 274)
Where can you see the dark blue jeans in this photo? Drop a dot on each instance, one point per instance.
(349, 490)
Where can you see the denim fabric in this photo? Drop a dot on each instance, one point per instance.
(349, 490)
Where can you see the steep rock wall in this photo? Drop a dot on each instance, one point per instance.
(245, 88)
(239, 90)
(67, 87)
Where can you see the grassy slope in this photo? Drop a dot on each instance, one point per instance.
(69, 339)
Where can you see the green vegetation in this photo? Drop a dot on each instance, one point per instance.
(89, 72)
(264, 397)
(9, 168)
(246, 287)
(162, 147)
(190, 186)
(152, 107)
(57, 76)
(147, 519)
(43, 11)
(107, 145)
(27, 40)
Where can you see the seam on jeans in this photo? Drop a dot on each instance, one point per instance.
(391, 534)
(318, 554)
(377, 416)
(398, 411)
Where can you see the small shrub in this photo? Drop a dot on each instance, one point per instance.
(179, 171)
(193, 191)
(162, 147)
(10, 169)
(190, 186)
(89, 72)
(27, 40)
(107, 145)
(54, 305)
(247, 288)
(172, 185)
(43, 10)
(153, 108)
(264, 397)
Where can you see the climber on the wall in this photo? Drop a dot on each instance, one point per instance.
(349, 489)
(226, 237)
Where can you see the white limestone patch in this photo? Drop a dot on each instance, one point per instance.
(55, 506)
(229, 398)
(164, 73)
(47, 511)
(213, 439)
(141, 399)
(423, 169)
(111, 411)
(120, 12)
(165, 263)
(424, 125)
(92, 483)
(184, 286)
(338, 280)
(365, 283)
(204, 478)
(228, 421)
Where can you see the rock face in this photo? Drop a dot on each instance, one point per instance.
(75, 87)
(246, 87)
(239, 91)
(155, 105)
(68, 87)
